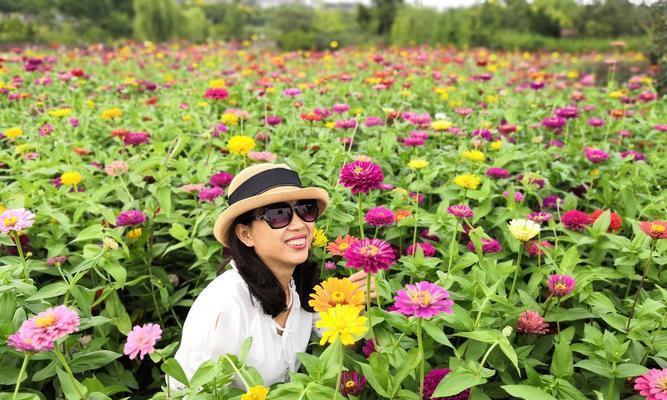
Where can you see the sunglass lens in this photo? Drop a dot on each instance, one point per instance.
(307, 210)
(278, 217)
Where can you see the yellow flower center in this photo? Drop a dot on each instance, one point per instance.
(343, 246)
(656, 229)
(10, 221)
(358, 170)
(45, 321)
(422, 297)
(350, 385)
(560, 286)
(662, 383)
(338, 297)
(370, 250)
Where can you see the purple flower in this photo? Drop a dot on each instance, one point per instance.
(57, 260)
(518, 196)
(431, 382)
(423, 300)
(292, 92)
(635, 155)
(484, 133)
(370, 254)
(346, 123)
(596, 122)
(567, 112)
(426, 234)
(361, 176)
(427, 249)
(560, 285)
(330, 265)
(368, 349)
(221, 179)
(130, 218)
(210, 194)
(554, 123)
(539, 216)
(340, 108)
(380, 216)
(373, 121)
(351, 383)
(273, 120)
(74, 122)
(489, 246)
(497, 173)
(460, 211)
(595, 155)
(551, 201)
(136, 138)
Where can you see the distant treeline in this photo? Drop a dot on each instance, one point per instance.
(508, 24)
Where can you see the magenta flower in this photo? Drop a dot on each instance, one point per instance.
(535, 248)
(427, 249)
(635, 155)
(551, 201)
(210, 194)
(368, 349)
(460, 211)
(489, 246)
(141, 340)
(560, 285)
(361, 176)
(540, 216)
(596, 122)
(216, 94)
(518, 196)
(221, 179)
(531, 323)
(136, 138)
(431, 382)
(423, 300)
(340, 108)
(57, 260)
(351, 383)
(414, 141)
(575, 220)
(370, 254)
(380, 216)
(330, 266)
(346, 123)
(567, 112)
(373, 121)
(292, 92)
(40, 332)
(273, 120)
(426, 234)
(130, 218)
(554, 123)
(16, 220)
(653, 384)
(497, 173)
(595, 155)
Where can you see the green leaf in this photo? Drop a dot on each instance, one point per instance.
(527, 392)
(49, 291)
(332, 359)
(172, 368)
(596, 366)
(117, 272)
(509, 351)
(570, 260)
(457, 381)
(561, 364)
(178, 232)
(204, 374)
(629, 369)
(92, 360)
(437, 334)
(7, 306)
(481, 336)
(163, 196)
(71, 387)
(410, 362)
(376, 373)
(200, 249)
(90, 233)
(601, 223)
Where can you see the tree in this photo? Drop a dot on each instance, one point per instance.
(385, 11)
(155, 20)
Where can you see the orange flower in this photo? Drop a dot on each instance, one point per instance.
(400, 214)
(335, 291)
(81, 151)
(338, 247)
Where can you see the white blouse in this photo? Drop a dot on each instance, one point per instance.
(223, 316)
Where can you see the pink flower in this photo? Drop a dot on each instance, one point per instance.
(575, 220)
(221, 179)
(368, 349)
(380, 216)
(40, 332)
(340, 108)
(141, 340)
(216, 94)
(193, 187)
(292, 92)
(431, 382)
(567, 112)
(273, 120)
(352, 383)
(596, 122)
(427, 249)
(540, 216)
(130, 218)
(518, 196)
(210, 194)
(460, 211)
(373, 121)
(423, 300)
(497, 173)
(535, 248)
(361, 176)
(330, 265)
(261, 155)
(136, 138)
(595, 155)
(489, 246)
(653, 384)
(370, 254)
(16, 220)
(57, 260)
(531, 323)
(560, 285)
(554, 123)
(116, 168)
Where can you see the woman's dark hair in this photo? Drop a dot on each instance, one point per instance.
(262, 283)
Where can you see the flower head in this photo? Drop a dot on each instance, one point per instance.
(489, 246)
(431, 382)
(370, 254)
(540, 216)
(574, 220)
(380, 216)
(221, 179)
(319, 238)
(210, 194)
(560, 285)
(523, 229)
(473, 155)
(652, 384)
(615, 221)
(240, 145)
(418, 164)
(467, 181)
(655, 229)
(40, 332)
(216, 94)
(361, 176)
(116, 168)
(13, 133)
(336, 291)
(368, 348)
(351, 383)
(595, 155)
(535, 248)
(338, 246)
(423, 300)
(71, 178)
(256, 393)
(111, 113)
(130, 218)
(141, 340)
(57, 260)
(342, 321)
(497, 173)
(136, 138)
(16, 220)
(460, 211)
(531, 323)
(427, 249)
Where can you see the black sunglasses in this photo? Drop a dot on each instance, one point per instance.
(279, 215)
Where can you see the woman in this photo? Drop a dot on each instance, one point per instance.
(268, 227)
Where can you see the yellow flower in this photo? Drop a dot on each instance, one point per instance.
(330, 124)
(496, 145)
(343, 321)
(319, 238)
(523, 229)
(467, 181)
(187, 118)
(202, 104)
(71, 178)
(256, 393)
(240, 145)
(134, 233)
(216, 84)
(594, 172)
(60, 112)
(333, 44)
(418, 164)
(90, 103)
(335, 291)
(13, 133)
(574, 74)
(111, 113)
(473, 155)
(229, 119)
(441, 125)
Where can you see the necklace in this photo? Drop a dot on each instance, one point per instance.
(289, 298)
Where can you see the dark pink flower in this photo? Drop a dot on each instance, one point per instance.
(130, 218)
(497, 173)
(540, 216)
(351, 383)
(531, 323)
(370, 254)
(489, 246)
(595, 155)
(460, 211)
(210, 194)
(423, 300)
(380, 216)
(221, 179)
(427, 249)
(431, 382)
(560, 285)
(216, 94)
(361, 176)
(136, 138)
(535, 248)
(575, 220)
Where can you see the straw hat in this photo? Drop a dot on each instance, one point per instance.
(260, 185)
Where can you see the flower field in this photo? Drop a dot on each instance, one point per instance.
(510, 207)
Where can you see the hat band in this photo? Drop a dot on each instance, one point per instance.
(264, 181)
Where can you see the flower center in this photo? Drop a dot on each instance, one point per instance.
(422, 297)
(369, 250)
(343, 246)
(350, 384)
(358, 170)
(45, 321)
(656, 228)
(560, 287)
(10, 221)
(338, 297)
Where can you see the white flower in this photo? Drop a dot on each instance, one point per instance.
(524, 229)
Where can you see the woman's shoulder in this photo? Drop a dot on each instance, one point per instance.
(228, 287)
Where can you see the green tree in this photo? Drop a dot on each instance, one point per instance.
(156, 20)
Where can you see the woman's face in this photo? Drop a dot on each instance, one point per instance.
(279, 248)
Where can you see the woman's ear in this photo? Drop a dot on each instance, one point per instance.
(243, 233)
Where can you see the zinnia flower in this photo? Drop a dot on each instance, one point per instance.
(221, 179)
(595, 155)
(130, 218)
(141, 340)
(539, 216)
(380, 216)
(319, 238)
(497, 173)
(361, 176)
(427, 249)
(57, 260)
(417, 164)
(473, 155)
(13, 133)
(523, 229)
(467, 181)
(40, 332)
(240, 145)
(574, 220)
(615, 221)
(136, 138)
(370, 254)
(560, 285)
(368, 349)
(256, 393)
(531, 323)
(336, 291)
(16, 220)
(423, 300)
(431, 382)
(342, 321)
(489, 246)
(111, 113)
(116, 168)
(535, 248)
(210, 194)
(460, 211)
(338, 246)
(216, 94)
(655, 229)
(71, 178)
(653, 384)
(351, 383)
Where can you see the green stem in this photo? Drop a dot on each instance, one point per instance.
(641, 283)
(481, 365)
(558, 317)
(17, 241)
(247, 387)
(368, 310)
(516, 272)
(453, 247)
(420, 347)
(67, 368)
(361, 223)
(126, 189)
(340, 372)
(26, 357)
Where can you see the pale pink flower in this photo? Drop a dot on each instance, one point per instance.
(116, 168)
(141, 340)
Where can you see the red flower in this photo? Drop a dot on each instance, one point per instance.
(655, 229)
(614, 223)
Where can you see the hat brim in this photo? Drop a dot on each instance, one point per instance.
(221, 229)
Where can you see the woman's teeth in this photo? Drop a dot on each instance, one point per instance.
(296, 242)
